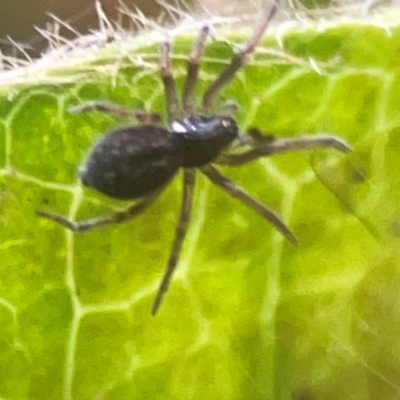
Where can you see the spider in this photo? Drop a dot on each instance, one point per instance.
(136, 162)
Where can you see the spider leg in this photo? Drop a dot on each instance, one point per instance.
(169, 83)
(144, 117)
(228, 107)
(275, 146)
(238, 60)
(193, 70)
(118, 217)
(180, 233)
(259, 137)
(231, 188)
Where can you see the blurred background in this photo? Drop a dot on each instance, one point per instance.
(19, 19)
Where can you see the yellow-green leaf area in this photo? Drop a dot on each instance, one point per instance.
(248, 315)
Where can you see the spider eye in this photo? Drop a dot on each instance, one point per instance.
(226, 123)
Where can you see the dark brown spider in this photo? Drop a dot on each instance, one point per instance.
(137, 162)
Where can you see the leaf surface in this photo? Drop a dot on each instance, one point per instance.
(248, 316)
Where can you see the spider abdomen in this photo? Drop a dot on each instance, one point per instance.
(132, 161)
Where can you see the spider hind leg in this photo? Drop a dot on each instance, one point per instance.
(93, 223)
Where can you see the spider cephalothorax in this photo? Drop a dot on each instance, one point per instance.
(135, 162)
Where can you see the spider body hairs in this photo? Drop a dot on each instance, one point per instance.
(136, 162)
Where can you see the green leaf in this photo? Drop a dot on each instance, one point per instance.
(248, 315)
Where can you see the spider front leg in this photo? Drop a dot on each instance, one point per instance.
(116, 218)
(180, 233)
(144, 117)
(271, 146)
(172, 104)
(193, 71)
(238, 60)
(232, 189)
